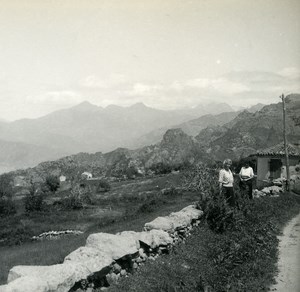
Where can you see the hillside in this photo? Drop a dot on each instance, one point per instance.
(221, 116)
(175, 150)
(191, 127)
(251, 131)
(239, 137)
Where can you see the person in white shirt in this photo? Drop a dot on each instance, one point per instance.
(246, 175)
(226, 182)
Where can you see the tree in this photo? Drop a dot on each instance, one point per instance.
(7, 205)
(34, 200)
(5, 186)
(103, 186)
(52, 182)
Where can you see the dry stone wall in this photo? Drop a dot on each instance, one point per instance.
(105, 257)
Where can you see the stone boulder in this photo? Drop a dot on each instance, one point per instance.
(176, 220)
(161, 223)
(153, 238)
(114, 246)
(185, 217)
(91, 258)
(25, 284)
(45, 278)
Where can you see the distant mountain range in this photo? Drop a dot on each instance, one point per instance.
(241, 136)
(87, 128)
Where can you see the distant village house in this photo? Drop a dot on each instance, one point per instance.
(270, 163)
(86, 175)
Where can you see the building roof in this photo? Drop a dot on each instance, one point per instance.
(278, 150)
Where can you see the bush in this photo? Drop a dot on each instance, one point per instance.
(34, 200)
(201, 178)
(77, 197)
(7, 207)
(103, 186)
(5, 186)
(161, 168)
(52, 182)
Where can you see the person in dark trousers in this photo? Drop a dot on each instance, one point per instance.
(226, 182)
(246, 175)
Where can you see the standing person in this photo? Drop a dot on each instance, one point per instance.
(226, 182)
(246, 174)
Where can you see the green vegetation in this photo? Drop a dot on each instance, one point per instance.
(52, 182)
(231, 250)
(124, 207)
(103, 186)
(34, 200)
(7, 206)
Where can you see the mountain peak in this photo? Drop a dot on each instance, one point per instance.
(85, 106)
(138, 105)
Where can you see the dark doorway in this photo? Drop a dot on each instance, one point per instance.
(275, 168)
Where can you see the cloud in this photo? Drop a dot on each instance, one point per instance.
(221, 85)
(64, 97)
(290, 72)
(145, 89)
(93, 81)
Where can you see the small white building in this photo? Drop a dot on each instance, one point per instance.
(270, 162)
(86, 175)
(62, 178)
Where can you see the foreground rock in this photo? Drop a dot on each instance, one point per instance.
(175, 220)
(106, 257)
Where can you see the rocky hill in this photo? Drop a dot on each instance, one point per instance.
(194, 126)
(175, 150)
(251, 131)
(240, 137)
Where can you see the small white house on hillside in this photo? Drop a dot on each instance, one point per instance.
(86, 175)
(270, 162)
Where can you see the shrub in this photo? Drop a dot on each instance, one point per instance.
(7, 207)
(76, 198)
(5, 185)
(103, 186)
(52, 182)
(161, 168)
(201, 178)
(34, 200)
(72, 203)
(218, 214)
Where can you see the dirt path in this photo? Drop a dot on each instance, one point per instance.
(288, 279)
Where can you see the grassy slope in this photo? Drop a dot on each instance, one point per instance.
(124, 199)
(237, 260)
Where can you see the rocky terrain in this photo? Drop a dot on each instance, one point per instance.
(243, 135)
(251, 131)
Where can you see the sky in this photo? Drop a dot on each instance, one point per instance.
(167, 54)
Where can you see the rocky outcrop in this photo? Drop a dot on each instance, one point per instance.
(249, 132)
(105, 257)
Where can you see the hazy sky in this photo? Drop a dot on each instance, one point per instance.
(165, 53)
